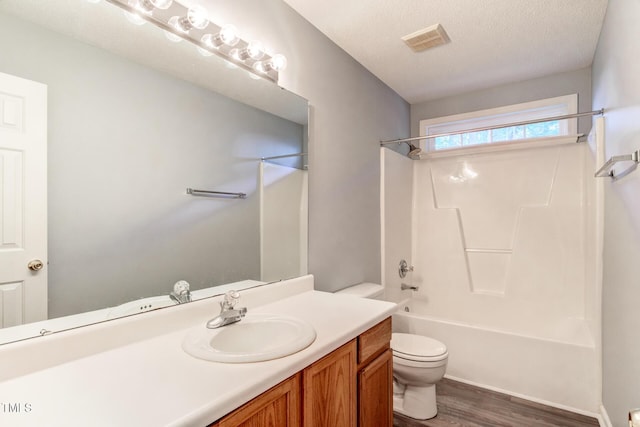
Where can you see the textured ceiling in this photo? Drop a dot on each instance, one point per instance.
(493, 42)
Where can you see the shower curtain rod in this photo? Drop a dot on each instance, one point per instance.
(527, 122)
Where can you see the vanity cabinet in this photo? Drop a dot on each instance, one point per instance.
(330, 389)
(375, 376)
(351, 386)
(375, 392)
(277, 407)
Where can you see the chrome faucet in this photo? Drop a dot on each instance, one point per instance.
(181, 293)
(228, 314)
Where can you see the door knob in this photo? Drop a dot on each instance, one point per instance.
(35, 265)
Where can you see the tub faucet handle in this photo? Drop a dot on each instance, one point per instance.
(404, 268)
(404, 287)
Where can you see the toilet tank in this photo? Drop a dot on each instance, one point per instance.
(364, 290)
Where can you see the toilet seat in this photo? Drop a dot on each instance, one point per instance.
(417, 348)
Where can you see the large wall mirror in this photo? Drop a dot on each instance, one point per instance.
(133, 120)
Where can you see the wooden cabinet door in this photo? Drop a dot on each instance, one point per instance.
(375, 392)
(329, 389)
(278, 407)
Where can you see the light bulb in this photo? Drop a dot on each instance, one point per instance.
(278, 62)
(141, 6)
(161, 4)
(261, 67)
(174, 23)
(229, 35)
(255, 49)
(198, 17)
(209, 41)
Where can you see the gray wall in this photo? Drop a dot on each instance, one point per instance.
(616, 87)
(351, 111)
(578, 81)
(124, 144)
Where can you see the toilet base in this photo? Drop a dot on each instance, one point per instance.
(416, 402)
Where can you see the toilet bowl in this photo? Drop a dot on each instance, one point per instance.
(419, 363)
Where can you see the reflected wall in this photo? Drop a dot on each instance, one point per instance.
(125, 142)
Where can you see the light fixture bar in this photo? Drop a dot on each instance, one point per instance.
(160, 18)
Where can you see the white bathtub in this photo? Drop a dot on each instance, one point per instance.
(547, 370)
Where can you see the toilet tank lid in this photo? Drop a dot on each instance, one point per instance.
(363, 290)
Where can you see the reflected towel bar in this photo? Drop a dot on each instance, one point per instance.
(283, 156)
(224, 194)
(607, 169)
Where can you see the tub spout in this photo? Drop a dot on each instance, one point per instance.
(405, 287)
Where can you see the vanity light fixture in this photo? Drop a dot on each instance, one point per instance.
(192, 23)
(227, 36)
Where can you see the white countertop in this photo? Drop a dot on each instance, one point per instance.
(155, 383)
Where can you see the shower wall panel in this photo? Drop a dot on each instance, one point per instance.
(500, 240)
(283, 222)
(395, 206)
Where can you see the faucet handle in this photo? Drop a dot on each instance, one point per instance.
(181, 287)
(180, 293)
(404, 268)
(231, 298)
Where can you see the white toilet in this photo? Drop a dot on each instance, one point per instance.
(419, 363)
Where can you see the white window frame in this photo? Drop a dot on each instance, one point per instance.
(540, 109)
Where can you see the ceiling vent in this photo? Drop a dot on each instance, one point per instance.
(427, 38)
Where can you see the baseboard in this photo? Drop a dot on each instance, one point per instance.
(534, 399)
(603, 418)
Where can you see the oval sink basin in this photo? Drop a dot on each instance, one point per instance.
(255, 338)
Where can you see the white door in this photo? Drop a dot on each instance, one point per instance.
(23, 201)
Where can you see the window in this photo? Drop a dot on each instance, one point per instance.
(551, 107)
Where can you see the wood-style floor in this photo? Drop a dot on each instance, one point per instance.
(464, 405)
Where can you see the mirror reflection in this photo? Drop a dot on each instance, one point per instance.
(124, 142)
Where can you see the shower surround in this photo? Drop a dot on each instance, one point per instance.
(503, 244)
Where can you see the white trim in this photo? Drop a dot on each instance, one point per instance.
(603, 418)
(567, 104)
(531, 399)
(383, 219)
